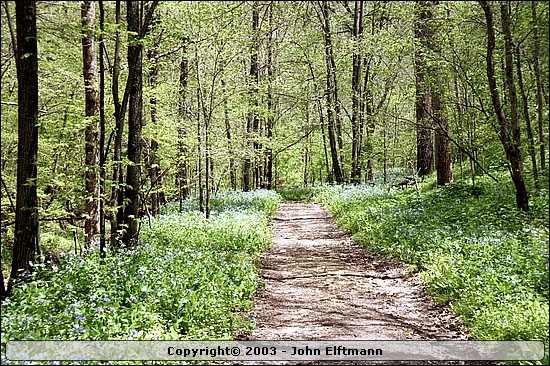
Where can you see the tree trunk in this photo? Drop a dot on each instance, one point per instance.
(116, 193)
(133, 170)
(252, 123)
(183, 168)
(102, 248)
(538, 76)
(424, 139)
(270, 122)
(356, 96)
(527, 118)
(232, 172)
(511, 146)
(152, 163)
(91, 226)
(443, 159)
(442, 143)
(332, 114)
(26, 208)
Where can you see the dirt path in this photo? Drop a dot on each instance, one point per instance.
(321, 285)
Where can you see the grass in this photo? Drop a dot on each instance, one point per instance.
(477, 252)
(189, 278)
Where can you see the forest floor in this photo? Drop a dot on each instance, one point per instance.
(321, 285)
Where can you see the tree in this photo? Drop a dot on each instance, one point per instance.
(512, 143)
(424, 138)
(137, 29)
(92, 114)
(356, 96)
(333, 114)
(183, 169)
(26, 211)
(443, 160)
(538, 76)
(135, 123)
(252, 121)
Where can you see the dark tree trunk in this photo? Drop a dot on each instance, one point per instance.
(252, 123)
(116, 193)
(424, 139)
(26, 208)
(356, 96)
(527, 118)
(332, 114)
(232, 172)
(511, 145)
(270, 122)
(442, 142)
(89, 53)
(152, 160)
(183, 169)
(102, 154)
(133, 170)
(443, 160)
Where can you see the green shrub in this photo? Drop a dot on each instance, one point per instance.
(189, 278)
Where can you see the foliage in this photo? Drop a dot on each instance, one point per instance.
(189, 278)
(477, 253)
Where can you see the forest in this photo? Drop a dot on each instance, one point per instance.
(156, 140)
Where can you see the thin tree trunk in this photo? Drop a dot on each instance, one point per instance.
(199, 146)
(26, 207)
(232, 172)
(152, 163)
(116, 193)
(252, 124)
(525, 109)
(183, 168)
(270, 122)
(356, 96)
(538, 76)
(511, 146)
(332, 114)
(102, 248)
(91, 226)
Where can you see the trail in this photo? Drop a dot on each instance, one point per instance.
(321, 285)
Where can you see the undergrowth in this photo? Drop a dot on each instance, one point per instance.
(477, 252)
(188, 278)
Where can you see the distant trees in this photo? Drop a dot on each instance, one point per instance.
(256, 94)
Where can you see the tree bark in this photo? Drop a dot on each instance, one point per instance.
(332, 115)
(252, 123)
(527, 117)
(133, 170)
(26, 208)
(270, 120)
(116, 192)
(442, 143)
(232, 172)
(89, 53)
(511, 145)
(102, 155)
(151, 158)
(356, 96)
(424, 139)
(443, 161)
(183, 168)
